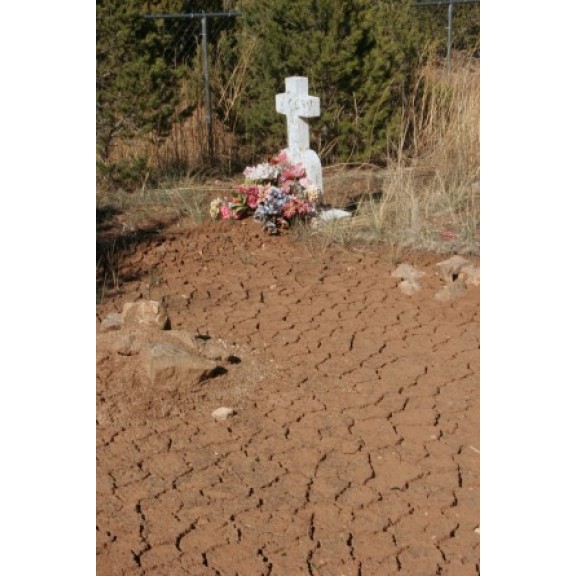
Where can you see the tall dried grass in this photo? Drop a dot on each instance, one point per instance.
(184, 153)
(429, 198)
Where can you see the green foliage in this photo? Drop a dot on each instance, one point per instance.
(466, 28)
(358, 56)
(129, 174)
(136, 90)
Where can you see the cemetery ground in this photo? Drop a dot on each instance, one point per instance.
(353, 447)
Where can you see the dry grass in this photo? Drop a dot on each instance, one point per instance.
(151, 162)
(429, 199)
(140, 210)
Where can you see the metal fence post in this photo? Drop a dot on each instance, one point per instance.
(205, 61)
(449, 49)
(207, 89)
(450, 13)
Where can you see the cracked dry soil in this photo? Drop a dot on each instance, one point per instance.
(354, 449)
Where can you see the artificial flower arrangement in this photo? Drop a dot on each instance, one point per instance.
(275, 193)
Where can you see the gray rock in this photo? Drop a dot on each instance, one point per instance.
(171, 366)
(471, 275)
(409, 287)
(145, 314)
(450, 292)
(111, 322)
(449, 269)
(123, 342)
(128, 345)
(407, 272)
(213, 350)
(222, 413)
(333, 214)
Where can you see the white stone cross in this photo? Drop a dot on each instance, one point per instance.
(297, 105)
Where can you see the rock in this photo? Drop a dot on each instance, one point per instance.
(471, 275)
(450, 292)
(145, 314)
(111, 322)
(213, 350)
(171, 366)
(409, 287)
(125, 343)
(185, 337)
(407, 272)
(333, 214)
(449, 269)
(222, 413)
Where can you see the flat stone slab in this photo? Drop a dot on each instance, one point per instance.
(333, 214)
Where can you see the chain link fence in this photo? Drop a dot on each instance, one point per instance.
(168, 86)
(157, 84)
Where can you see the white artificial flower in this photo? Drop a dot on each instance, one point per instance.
(215, 208)
(312, 193)
(262, 172)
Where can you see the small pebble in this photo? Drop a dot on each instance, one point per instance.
(222, 413)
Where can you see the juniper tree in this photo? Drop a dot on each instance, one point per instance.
(136, 88)
(357, 56)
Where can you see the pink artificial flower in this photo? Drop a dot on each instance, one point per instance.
(279, 158)
(289, 210)
(286, 186)
(305, 182)
(251, 193)
(225, 212)
(295, 207)
(293, 172)
(263, 194)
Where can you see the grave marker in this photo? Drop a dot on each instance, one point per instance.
(298, 105)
